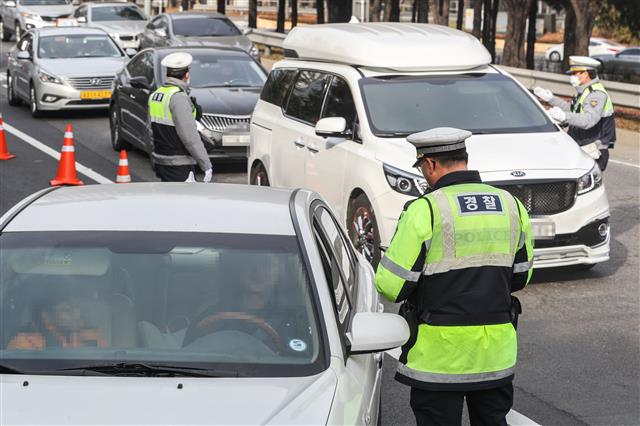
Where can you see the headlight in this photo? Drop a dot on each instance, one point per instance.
(48, 78)
(405, 183)
(31, 16)
(590, 181)
(254, 51)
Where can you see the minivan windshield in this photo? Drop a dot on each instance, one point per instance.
(43, 2)
(481, 103)
(77, 46)
(224, 304)
(116, 13)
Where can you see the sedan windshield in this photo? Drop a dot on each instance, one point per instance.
(77, 46)
(116, 13)
(480, 103)
(203, 26)
(225, 71)
(43, 2)
(150, 302)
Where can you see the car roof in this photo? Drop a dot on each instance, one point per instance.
(223, 50)
(111, 3)
(160, 207)
(391, 46)
(69, 30)
(181, 15)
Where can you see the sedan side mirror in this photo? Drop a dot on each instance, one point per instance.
(377, 332)
(10, 3)
(247, 31)
(160, 32)
(139, 82)
(130, 51)
(81, 19)
(23, 55)
(332, 127)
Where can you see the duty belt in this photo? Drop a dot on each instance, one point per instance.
(465, 319)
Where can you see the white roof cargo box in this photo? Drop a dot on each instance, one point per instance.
(392, 46)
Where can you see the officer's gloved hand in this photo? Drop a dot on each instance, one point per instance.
(190, 178)
(208, 174)
(557, 114)
(543, 94)
(197, 107)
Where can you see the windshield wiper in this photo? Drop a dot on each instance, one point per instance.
(152, 370)
(4, 369)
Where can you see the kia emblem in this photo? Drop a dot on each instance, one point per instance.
(518, 173)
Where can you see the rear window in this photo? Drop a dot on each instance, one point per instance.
(116, 13)
(202, 26)
(277, 86)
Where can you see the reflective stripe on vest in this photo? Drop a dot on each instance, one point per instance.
(424, 376)
(450, 260)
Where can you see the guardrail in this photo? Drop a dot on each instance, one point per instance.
(622, 94)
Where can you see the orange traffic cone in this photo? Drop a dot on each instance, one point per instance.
(67, 166)
(123, 175)
(4, 151)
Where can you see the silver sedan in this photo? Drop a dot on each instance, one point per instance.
(134, 304)
(63, 68)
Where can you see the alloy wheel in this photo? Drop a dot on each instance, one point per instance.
(364, 230)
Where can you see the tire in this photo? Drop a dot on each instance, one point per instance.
(4, 33)
(259, 176)
(363, 229)
(555, 57)
(12, 99)
(117, 143)
(33, 104)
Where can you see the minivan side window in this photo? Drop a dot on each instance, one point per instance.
(277, 86)
(339, 102)
(305, 101)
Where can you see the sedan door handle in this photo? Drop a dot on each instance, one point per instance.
(132, 96)
(313, 148)
(299, 143)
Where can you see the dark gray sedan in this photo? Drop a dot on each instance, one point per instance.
(226, 83)
(623, 66)
(195, 29)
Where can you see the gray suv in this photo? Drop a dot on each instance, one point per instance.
(19, 16)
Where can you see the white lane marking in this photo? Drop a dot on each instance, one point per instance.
(513, 417)
(624, 163)
(55, 154)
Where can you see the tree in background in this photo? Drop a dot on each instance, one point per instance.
(423, 11)
(586, 12)
(620, 19)
(440, 10)
(281, 17)
(221, 6)
(339, 10)
(517, 12)
(253, 13)
(477, 19)
(319, 11)
(460, 16)
(392, 11)
(375, 7)
(531, 35)
(294, 13)
(489, 26)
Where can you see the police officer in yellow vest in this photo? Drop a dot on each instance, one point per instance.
(590, 113)
(177, 146)
(457, 255)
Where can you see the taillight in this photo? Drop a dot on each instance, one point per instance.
(613, 49)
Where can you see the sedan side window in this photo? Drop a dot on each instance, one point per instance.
(25, 42)
(147, 67)
(154, 23)
(277, 86)
(307, 95)
(136, 66)
(339, 247)
(339, 102)
(81, 11)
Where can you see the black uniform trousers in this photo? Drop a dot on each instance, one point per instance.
(487, 407)
(173, 173)
(603, 159)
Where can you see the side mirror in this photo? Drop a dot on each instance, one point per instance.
(81, 19)
(130, 51)
(331, 127)
(247, 31)
(139, 82)
(160, 32)
(23, 55)
(10, 3)
(377, 332)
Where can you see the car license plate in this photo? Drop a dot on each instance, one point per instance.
(95, 94)
(235, 140)
(543, 229)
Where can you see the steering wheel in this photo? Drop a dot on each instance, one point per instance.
(210, 320)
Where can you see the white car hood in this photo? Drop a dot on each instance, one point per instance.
(83, 67)
(539, 155)
(148, 400)
(48, 10)
(121, 27)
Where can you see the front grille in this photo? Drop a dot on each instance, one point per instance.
(126, 38)
(89, 102)
(222, 123)
(91, 83)
(53, 18)
(544, 198)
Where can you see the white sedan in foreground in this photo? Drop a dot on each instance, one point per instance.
(186, 303)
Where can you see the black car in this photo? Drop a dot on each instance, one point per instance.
(623, 66)
(195, 29)
(226, 83)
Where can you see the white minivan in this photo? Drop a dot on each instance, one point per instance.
(334, 117)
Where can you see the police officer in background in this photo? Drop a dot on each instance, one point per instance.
(590, 113)
(177, 146)
(457, 255)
